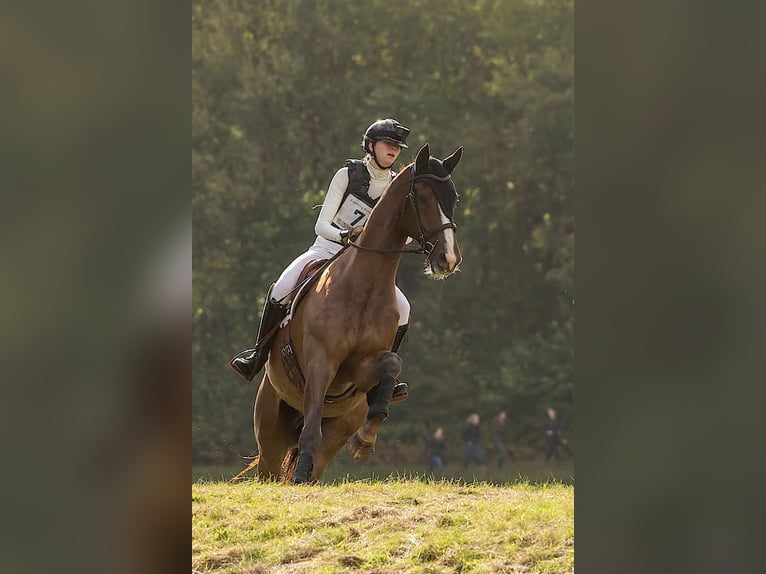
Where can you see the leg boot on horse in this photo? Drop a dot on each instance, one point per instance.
(362, 444)
(247, 363)
(380, 396)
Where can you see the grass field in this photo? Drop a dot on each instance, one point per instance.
(345, 469)
(390, 526)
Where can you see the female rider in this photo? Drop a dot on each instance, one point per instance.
(382, 143)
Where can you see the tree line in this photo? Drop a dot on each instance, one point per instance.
(281, 93)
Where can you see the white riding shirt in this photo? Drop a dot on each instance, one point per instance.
(328, 241)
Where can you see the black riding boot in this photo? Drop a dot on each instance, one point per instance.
(400, 332)
(401, 390)
(247, 363)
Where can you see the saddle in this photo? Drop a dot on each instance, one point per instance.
(307, 277)
(310, 274)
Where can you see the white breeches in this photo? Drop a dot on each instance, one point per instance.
(324, 249)
(404, 307)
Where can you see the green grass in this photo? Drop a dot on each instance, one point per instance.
(344, 469)
(396, 525)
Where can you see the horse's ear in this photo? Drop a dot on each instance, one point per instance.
(421, 161)
(450, 162)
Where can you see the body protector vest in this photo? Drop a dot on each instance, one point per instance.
(356, 204)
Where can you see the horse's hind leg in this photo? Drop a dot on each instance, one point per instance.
(275, 430)
(335, 433)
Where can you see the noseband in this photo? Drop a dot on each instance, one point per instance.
(425, 246)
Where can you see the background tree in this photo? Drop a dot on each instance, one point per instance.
(281, 93)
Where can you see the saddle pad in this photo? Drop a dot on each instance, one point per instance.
(307, 277)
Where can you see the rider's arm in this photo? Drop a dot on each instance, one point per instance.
(338, 185)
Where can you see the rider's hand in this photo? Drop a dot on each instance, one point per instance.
(355, 232)
(350, 235)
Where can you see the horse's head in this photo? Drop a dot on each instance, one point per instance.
(430, 218)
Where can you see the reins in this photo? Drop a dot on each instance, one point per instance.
(420, 249)
(426, 247)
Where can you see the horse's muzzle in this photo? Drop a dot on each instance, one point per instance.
(443, 262)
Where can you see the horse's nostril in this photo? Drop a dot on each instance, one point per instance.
(447, 261)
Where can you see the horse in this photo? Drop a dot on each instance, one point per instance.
(337, 389)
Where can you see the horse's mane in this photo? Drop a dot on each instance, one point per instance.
(401, 170)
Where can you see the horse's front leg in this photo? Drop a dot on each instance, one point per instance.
(319, 374)
(335, 433)
(362, 444)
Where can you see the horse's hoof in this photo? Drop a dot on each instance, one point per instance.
(360, 449)
(401, 393)
(303, 469)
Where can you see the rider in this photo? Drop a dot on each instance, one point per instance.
(382, 143)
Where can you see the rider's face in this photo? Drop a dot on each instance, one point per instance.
(386, 153)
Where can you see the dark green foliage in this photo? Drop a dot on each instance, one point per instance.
(282, 91)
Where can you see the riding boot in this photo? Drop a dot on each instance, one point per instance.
(401, 390)
(247, 363)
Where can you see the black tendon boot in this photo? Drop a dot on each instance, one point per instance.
(379, 397)
(247, 363)
(401, 390)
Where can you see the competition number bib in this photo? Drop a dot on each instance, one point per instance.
(352, 213)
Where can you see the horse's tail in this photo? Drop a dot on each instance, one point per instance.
(288, 465)
(248, 468)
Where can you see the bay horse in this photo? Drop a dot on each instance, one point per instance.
(342, 331)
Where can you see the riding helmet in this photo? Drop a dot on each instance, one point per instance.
(388, 130)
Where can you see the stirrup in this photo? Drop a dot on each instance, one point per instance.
(401, 392)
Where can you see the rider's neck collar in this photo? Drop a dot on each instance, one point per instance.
(375, 171)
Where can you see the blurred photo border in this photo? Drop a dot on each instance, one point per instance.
(669, 269)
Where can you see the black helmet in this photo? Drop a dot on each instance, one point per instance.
(387, 130)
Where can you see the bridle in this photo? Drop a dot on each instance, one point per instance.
(425, 235)
(426, 247)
